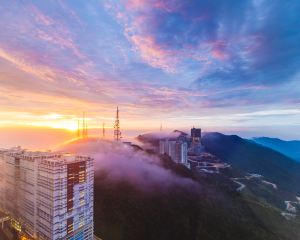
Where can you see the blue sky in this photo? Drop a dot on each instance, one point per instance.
(228, 65)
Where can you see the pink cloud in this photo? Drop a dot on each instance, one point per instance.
(165, 5)
(219, 54)
(153, 53)
(53, 31)
(71, 12)
(37, 65)
(22, 63)
(63, 41)
(40, 17)
(168, 6)
(219, 50)
(137, 19)
(135, 4)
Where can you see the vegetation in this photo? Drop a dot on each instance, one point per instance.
(253, 158)
(213, 210)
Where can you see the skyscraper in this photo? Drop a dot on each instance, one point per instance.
(196, 147)
(48, 195)
(196, 135)
(176, 149)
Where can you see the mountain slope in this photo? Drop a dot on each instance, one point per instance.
(209, 212)
(254, 158)
(288, 148)
(144, 196)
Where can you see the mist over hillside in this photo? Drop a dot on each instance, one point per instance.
(121, 162)
(146, 196)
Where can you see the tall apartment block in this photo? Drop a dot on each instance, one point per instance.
(177, 150)
(49, 196)
(196, 135)
(196, 147)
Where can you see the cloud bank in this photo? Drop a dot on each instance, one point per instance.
(120, 162)
(242, 49)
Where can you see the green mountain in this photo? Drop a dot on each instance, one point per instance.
(250, 157)
(211, 209)
(288, 148)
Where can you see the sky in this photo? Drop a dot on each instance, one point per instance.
(230, 66)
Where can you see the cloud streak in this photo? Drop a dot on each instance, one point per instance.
(160, 58)
(239, 43)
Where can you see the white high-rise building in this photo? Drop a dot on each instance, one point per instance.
(49, 196)
(177, 150)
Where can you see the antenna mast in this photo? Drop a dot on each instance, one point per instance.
(103, 130)
(117, 132)
(83, 124)
(86, 129)
(78, 128)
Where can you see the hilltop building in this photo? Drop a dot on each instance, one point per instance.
(176, 149)
(196, 135)
(48, 196)
(196, 147)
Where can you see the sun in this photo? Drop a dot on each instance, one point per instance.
(65, 124)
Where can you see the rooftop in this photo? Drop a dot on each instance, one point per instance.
(43, 155)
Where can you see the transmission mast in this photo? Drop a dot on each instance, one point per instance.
(103, 130)
(78, 128)
(83, 125)
(86, 129)
(117, 132)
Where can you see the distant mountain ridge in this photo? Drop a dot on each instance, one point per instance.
(213, 209)
(250, 157)
(288, 148)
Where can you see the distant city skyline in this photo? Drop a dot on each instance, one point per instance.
(228, 66)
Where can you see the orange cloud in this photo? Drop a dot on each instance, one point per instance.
(23, 64)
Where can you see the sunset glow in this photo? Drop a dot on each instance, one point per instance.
(150, 119)
(175, 63)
